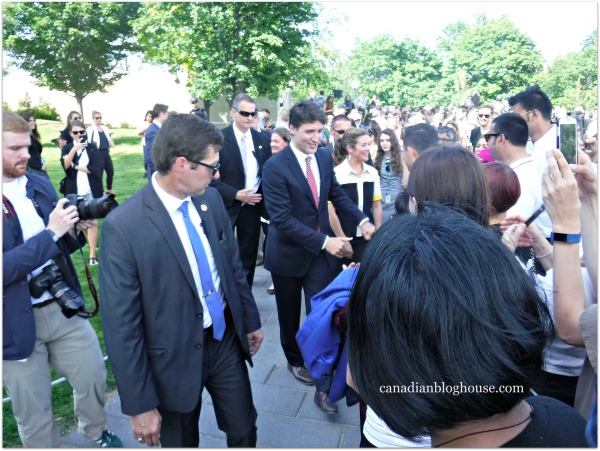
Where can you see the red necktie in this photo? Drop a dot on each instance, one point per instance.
(312, 183)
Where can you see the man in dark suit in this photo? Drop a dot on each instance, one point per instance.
(178, 314)
(243, 154)
(301, 249)
(160, 114)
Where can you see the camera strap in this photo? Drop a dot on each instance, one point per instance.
(9, 215)
(93, 291)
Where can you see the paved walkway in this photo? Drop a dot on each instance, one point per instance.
(287, 414)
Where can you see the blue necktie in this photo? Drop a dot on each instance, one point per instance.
(211, 295)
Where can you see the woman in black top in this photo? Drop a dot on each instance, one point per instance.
(36, 162)
(65, 136)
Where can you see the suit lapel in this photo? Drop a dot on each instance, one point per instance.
(158, 215)
(210, 229)
(232, 146)
(324, 177)
(297, 171)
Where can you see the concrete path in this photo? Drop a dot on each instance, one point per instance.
(287, 414)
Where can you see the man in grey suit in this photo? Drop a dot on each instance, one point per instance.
(178, 314)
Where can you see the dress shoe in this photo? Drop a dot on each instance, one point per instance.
(302, 374)
(322, 400)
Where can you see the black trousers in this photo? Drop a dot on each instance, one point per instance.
(247, 230)
(288, 296)
(108, 167)
(225, 376)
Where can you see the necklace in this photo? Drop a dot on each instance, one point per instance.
(491, 430)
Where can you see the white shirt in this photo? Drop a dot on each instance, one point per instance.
(172, 205)
(540, 147)
(301, 157)
(379, 434)
(31, 223)
(252, 178)
(531, 194)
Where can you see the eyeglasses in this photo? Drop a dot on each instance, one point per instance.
(214, 169)
(524, 115)
(487, 136)
(487, 116)
(248, 113)
(78, 132)
(339, 132)
(98, 117)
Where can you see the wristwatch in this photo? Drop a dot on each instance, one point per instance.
(565, 237)
(53, 235)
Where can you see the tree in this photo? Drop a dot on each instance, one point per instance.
(403, 72)
(229, 48)
(69, 47)
(493, 54)
(572, 80)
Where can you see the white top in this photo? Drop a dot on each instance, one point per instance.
(172, 205)
(30, 222)
(83, 182)
(252, 178)
(381, 436)
(346, 175)
(540, 147)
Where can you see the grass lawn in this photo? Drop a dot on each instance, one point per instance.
(128, 162)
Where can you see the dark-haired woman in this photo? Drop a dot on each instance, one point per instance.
(65, 135)
(328, 106)
(388, 162)
(83, 165)
(35, 163)
(455, 337)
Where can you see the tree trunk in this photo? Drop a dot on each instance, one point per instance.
(207, 105)
(79, 98)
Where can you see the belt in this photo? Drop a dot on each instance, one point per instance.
(43, 304)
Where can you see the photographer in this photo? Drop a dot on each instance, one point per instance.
(83, 163)
(39, 233)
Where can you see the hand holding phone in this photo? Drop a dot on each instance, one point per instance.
(533, 217)
(567, 138)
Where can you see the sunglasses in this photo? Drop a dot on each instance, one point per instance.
(77, 132)
(487, 116)
(487, 136)
(248, 113)
(339, 132)
(214, 169)
(98, 117)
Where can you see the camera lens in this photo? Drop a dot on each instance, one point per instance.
(67, 298)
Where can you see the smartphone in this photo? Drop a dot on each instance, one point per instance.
(567, 138)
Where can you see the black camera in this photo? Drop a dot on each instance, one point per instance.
(52, 279)
(93, 208)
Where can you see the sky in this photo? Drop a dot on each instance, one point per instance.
(557, 28)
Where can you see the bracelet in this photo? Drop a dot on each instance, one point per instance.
(572, 238)
(546, 254)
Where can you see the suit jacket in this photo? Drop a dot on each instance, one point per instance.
(152, 316)
(293, 238)
(232, 176)
(19, 259)
(150, 134)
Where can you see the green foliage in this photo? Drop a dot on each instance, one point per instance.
(492, 57)
(43, 110)
(572, 80)
(70, 47)
(404, 72)
(229, 48)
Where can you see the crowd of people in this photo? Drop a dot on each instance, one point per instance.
(446, 259)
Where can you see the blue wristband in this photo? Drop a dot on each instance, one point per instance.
(565, 237)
